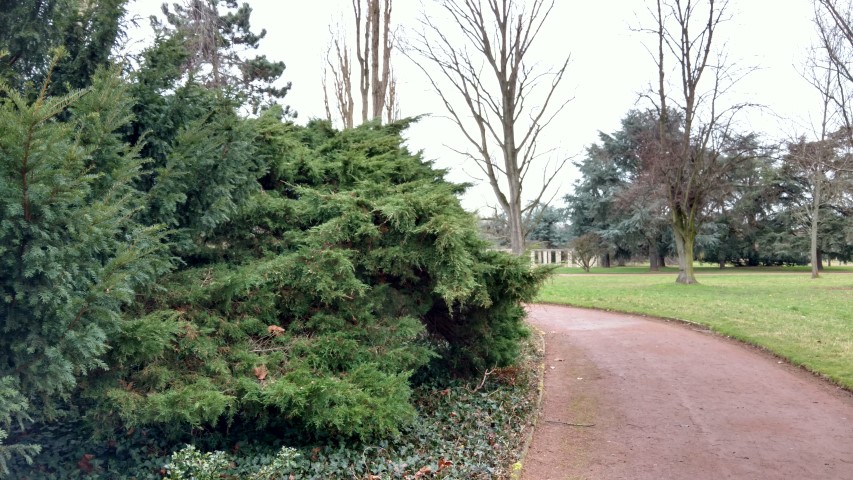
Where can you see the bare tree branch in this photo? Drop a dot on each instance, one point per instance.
(374, 46)
(488, 73)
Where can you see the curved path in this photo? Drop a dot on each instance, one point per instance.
(627, 397)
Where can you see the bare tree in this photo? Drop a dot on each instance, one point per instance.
(824, 164)
(815, 166)
(586, 247)
(341, 68)
(834, 21)
(487, 83)
(695, 146)
(374, 43)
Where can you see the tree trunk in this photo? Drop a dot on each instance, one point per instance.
(819, 261)
(516, 232)
(684, 229)
(377, 94)
(722, 263)
(654, 258)
(815, 260)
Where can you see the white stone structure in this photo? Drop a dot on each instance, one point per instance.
(550, 256)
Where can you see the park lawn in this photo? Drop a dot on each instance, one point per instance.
(807, 321)
(701, 268)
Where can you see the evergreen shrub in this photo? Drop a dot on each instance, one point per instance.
(322, 296)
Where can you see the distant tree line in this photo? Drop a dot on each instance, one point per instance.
(758, 213)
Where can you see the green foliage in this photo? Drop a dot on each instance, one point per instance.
(210, 167)
(202, 159)
(548, 226)
(314, 304)
(31, 29)
(614, 200)
(460, 433)
(189, 463)
(318, 270)
(28, 32)
(71, 253)
(13, 409)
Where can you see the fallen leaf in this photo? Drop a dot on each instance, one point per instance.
(84, 464)
(423, 472)
(275, 330)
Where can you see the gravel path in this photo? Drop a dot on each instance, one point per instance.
(627, 397)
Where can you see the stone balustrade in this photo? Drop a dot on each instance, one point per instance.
(550, 256)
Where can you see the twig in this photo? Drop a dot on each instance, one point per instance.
(482, 382)
(571, 424)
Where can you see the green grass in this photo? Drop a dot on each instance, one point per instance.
(808, 322)
(700, 268)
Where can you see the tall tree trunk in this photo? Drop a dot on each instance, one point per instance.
(387, 87)
(511, 167)
(362, 51)
(815, 260)
(377, 93)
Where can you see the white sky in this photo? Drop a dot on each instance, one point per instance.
(609, 68)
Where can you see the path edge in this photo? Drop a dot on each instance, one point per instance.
(518, 467)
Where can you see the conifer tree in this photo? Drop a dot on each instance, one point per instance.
(214, 34)
(201, 161)
(71, 252)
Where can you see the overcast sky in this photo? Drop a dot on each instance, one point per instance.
(609, 68)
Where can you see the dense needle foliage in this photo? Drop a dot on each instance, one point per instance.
(71, 252)
(350, 267)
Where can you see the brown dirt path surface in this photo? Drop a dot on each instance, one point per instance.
(627, 397)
